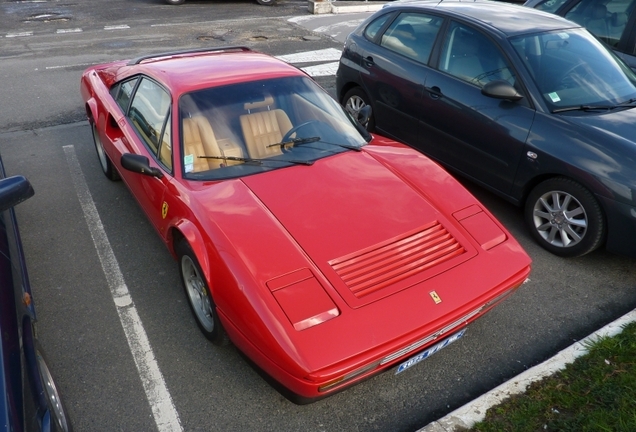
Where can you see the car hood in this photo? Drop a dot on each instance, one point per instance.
(352, 216)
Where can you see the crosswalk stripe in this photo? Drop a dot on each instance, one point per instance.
(329, 54)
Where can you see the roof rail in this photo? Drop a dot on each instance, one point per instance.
(194, 51)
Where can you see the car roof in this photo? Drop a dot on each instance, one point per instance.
(187, 71)
(508, 18)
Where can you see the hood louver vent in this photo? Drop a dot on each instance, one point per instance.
(372, 269)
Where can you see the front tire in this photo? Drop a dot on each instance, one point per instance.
(104, 161)
(356, 99)
(565, 218)
(59, 417)
(199, 297)
(175, 2)
(266, 2)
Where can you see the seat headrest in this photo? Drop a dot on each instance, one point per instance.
(599, 11)
(269, 100)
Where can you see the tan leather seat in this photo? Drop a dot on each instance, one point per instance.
(193, 147)
(263, 128)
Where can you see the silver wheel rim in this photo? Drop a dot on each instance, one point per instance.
(52, 394)
(354, 105)
(198, 293)
(560, 219)
(100, 150)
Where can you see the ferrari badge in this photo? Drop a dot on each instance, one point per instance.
(435, 297)
(164, 210)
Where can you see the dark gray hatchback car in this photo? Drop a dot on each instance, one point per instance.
(525, 103)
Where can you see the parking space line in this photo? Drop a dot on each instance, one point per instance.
(163, 410)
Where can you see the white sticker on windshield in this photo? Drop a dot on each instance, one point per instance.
(188, 161)
(564, 36)
(555, 97)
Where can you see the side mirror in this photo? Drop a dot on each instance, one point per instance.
(14, 190)
(364, 115)
(500, 89)
(139, 164)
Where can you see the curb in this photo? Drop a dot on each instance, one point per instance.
(475, 411)
(317, 7)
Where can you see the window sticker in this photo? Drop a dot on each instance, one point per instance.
(554, 97)
(188, 161)
(564, 35)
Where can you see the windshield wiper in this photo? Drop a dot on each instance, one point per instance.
(295, 141)
(626, 104)
(584, 108)
(301, 141)
(257, 161)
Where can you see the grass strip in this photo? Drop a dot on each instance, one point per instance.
(595, 393)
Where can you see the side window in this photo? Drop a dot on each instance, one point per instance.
(605, 20)
(550, 5)
(412, 35)
(373, 28)
(470, 56)
(148, 113)
(122, 91)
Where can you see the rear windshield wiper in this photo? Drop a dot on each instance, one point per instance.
(257, 161)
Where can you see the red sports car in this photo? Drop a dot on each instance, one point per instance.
(324, 253)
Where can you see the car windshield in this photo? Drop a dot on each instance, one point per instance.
(574, 71)
(257, 126)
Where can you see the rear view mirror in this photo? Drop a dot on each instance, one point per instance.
(364, 115)
(500, 89)
(14, 190)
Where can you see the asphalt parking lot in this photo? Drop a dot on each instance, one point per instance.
(212, 388)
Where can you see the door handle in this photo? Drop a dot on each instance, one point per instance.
(368, 61)
(435, 92)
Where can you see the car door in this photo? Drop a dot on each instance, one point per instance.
(395, 64)
(480, 136)
(147, 132)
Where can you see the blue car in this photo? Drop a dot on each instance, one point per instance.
(525, 103)
(29, 399)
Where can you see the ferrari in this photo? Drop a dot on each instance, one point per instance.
(324, 253)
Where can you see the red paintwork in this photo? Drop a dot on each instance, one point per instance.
(271, 244)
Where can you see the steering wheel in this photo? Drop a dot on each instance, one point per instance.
(566, 80)
(293, 130)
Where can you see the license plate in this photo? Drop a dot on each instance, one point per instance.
(429, 352)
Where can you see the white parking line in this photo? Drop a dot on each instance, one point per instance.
(20, 34)
(327, 69)
(117, 27)
(163, 410)
(73, 30)
(329, 54)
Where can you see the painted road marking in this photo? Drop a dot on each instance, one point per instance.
(163, 410)
(329, 54)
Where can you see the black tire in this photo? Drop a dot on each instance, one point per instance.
(266, 2)
(356, 99)
(175, 2)
(60, 421)
(565, 218)
(199, 297)
(104, 161)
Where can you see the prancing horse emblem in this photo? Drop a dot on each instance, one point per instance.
(435, 297)
(164, 210)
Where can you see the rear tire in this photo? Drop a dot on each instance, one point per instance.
(175, 2)
(266, 2)
(104, 161)
(356, 99)
(199, 297)
(565, 218)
